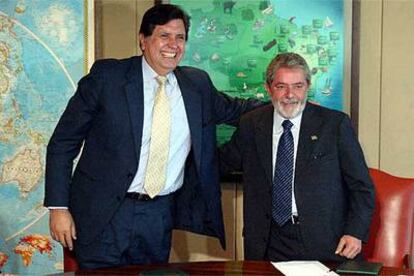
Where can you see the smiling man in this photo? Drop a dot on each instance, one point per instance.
(148, 164)
(307, 191)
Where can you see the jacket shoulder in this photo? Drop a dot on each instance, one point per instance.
(326, 112)
(257, 114)
(113, 66)
(191, 72)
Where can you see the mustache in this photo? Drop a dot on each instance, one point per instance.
(290, 101)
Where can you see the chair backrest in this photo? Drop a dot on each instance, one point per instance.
(392, 228)
(69, 261)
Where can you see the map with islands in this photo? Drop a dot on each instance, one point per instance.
(234, 42)
(38, 75)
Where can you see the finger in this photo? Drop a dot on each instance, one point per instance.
(73, 231)
(340, 247)
(62, 240)
(347, 250)
(351, 254)
(347, 253)
(354, 249)
(52, 234)
(355, 252)
(52, 231)
(69, 242)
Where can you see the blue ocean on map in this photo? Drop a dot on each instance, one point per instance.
(42, 56)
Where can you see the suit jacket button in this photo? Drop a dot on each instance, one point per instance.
(267, 216)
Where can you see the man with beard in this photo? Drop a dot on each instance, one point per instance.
(307, 191)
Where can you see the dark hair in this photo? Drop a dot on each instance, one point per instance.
(287, 60)
(161, 14)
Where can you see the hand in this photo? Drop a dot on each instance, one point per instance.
(62, 227)
(349, 247)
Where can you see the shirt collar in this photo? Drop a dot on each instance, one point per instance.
(150, 75)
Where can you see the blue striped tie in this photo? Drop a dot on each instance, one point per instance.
(282, 181)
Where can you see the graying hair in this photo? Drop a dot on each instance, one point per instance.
(287, 60)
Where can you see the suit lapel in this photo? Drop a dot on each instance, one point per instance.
(193, 107)
(264, 138)
(308, 136)
(134, 90)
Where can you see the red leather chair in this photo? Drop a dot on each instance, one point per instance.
(69, 261)
(392, 229)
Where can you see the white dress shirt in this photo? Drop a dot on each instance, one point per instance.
(180, 140)
(277, 132)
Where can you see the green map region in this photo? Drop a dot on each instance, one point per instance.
(234, 41)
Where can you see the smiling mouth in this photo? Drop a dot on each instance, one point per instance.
(168, 55)
(290, 102)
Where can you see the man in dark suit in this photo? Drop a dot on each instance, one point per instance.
(307, 191)
(106, 205)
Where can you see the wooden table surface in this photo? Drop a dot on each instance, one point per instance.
(212, 268)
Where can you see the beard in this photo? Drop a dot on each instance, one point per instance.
(289, 108)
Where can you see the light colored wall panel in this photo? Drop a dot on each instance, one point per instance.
(239, 223)
(119, 22)
(397, 104)
(142, 6)
(370, 80)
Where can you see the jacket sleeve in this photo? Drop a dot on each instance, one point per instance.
(231, 153)
(230, 156)
(361, 191)
(67, 139)
(228, 110)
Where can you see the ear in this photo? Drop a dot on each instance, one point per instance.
(141, 39)
(267, 87)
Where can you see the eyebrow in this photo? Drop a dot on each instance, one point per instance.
(301, 82)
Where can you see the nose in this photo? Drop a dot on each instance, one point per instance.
(172, 42)
(289, 92)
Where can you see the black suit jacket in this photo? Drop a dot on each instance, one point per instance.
(106, 116)
(333, 190)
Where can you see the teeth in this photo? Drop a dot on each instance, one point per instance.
(168, 55)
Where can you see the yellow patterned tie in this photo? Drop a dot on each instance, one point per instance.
(160, 142)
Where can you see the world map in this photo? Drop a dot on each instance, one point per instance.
(41, 57)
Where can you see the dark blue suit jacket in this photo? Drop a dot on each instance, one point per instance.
(106, 116)
(333, 190)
